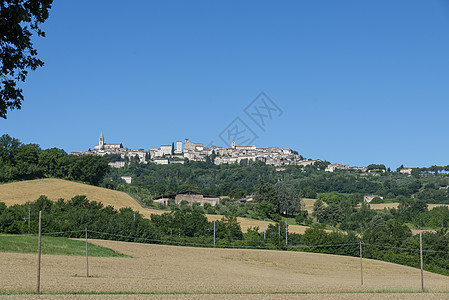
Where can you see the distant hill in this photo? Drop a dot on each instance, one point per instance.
(24, 191)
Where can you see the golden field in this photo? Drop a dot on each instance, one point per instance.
(319, 296)
(395, 205)
(175, 270)
(23, 191)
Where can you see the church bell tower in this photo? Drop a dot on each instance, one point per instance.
(101, 140)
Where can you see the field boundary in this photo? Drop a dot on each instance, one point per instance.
(184, 243)
(375, 291)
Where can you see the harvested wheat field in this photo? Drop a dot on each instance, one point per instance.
(170, 269)
(308, 204)
(340, 296)
(395, 205)
(24, 191)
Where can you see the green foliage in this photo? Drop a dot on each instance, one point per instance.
(264, 209)
(264, 191)
(18, 20)
(114, 157)
(308, 192)
(289, 202)
(318, 210)
(192, 227)
(376, 167)
(333, 213)
(27, 161)
(228, 228)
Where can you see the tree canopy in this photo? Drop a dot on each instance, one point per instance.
(18, 20)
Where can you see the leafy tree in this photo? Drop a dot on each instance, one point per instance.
(18, 20)
(333, 213)
(264, 209)
(377, 221)
(308, 192)
(93, 169)
(318, 210)
(265, 191)
(288, 199)
(228, 228)
(51, 161)
(374, 167)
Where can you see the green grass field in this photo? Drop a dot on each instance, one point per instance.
(53, 245)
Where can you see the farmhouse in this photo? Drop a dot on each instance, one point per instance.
(189, 196)
(369, 198)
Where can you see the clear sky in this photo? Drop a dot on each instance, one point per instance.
(357, 82)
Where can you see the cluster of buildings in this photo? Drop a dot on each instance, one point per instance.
(333, 167)
(179, 152)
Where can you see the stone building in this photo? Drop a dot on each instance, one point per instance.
(189, 196)
(103, 146)
(178, 147)
(165, 150)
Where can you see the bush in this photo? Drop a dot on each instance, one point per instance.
(276, 218)
(211, 210)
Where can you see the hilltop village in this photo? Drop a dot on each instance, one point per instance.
(179, 152)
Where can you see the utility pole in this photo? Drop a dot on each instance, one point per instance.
(422, 267)
(29, 220)
(214, 233)
(286, 232)
(361, 264)
(279, 233)
(87, 258)
(264, 228)
(39, 254)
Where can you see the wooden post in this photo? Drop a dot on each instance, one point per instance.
(29, 220)
(39, 254)
(286, 233)
(87, 258)
(214, 233)
(279, 233)
(422, 267)
(263, 228)
(361, 264)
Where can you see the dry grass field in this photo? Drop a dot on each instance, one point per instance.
(308, 204)
(184, 270)
(320, 296)
(395, 205)
(23, 191)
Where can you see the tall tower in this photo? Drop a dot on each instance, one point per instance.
(101, 140)
(178, 147)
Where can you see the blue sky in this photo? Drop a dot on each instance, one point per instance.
(358, 82)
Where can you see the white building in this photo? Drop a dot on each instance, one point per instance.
(128, 179)
(165, 150)
(103, 146)
(178, 147)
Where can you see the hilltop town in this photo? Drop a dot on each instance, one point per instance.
(179, 152)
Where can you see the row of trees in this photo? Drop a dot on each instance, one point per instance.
(28, 161)
(384, 241)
